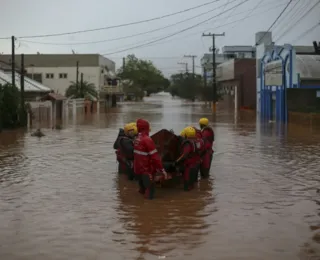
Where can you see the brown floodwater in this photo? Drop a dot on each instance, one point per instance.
(61, 198)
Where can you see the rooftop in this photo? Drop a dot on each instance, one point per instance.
(308, 66)
(29, 84)
(57, 60)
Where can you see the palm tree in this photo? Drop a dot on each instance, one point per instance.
(86, 90)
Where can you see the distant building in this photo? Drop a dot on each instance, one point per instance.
(58, 70)
(228, 53)
(33, 89)
(280, 71)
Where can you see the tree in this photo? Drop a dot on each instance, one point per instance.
(143, 74)
(86, 90)
(186, 85)
(10, 107)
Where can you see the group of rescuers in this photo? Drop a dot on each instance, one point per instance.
(139, 159)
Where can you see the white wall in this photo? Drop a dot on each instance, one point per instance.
(90, 74)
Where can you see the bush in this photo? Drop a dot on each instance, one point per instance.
(10, 108)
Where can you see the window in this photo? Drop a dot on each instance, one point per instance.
(49, 76)
(63, 75)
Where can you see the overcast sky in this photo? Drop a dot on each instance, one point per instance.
(39, 17)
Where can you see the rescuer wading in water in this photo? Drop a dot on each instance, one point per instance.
(146, 160)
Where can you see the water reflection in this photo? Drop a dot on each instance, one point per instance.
(61, 199)
(171, 225)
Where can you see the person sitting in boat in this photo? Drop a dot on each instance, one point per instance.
(126, 149)
(147, 162)
(190, 158)
(208, 138)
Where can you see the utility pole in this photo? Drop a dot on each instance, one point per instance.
(193, 64)
(81, 85)
(22, 72)
(214, 80)
(13, 62)
(77, 76)
(123, 63)
(184, 63)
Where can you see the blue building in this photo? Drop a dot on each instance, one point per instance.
(281, 69)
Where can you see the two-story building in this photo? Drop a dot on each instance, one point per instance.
(228, 53)
(57, 71)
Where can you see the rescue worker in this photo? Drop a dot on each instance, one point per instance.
(208, 138)
(190, 157)
(147, 162)
(121, 166)
(126, 149)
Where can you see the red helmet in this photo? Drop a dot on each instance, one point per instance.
(143, 125)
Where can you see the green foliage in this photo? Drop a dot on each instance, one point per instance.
(186, 86)
(10, 107)
(142, 76)
(87, 90)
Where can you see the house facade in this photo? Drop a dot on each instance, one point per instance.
(57, 71)
(288, 82)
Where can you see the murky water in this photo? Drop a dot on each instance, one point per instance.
(60, 197)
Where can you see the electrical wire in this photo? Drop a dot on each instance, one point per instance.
(132, 35)
(176, 33)
(307, 32)
(275, 21)
(216, 27)
(286, 14)
(116, 26)
(299, 20)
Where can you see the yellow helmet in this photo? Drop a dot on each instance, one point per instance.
(203, 121)
(183, 133)
(131, 129)
(190, 132)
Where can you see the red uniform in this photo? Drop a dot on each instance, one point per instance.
(146, 159)
(191, 159)
(208, 138)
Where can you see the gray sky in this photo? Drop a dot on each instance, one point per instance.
(38, 17)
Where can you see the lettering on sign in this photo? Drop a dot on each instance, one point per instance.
(273, 74)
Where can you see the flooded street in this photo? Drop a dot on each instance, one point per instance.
(60, 196)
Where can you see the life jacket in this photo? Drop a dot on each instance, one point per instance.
(124, 152)
(208, 134)
(197, 149)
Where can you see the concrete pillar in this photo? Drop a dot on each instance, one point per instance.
(54, 112)
(236, 104)
(98, 106)
(74, 108)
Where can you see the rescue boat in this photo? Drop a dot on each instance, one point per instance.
(168, 146)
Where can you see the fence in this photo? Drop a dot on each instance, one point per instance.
(44, 114)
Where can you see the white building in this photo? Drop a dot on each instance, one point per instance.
(57, 71)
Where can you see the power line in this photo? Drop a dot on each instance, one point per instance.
(299, 20)
(275, 21)
(132, 35)
(137, 34)
(216, 27)
(176, 33)
(307, 32)
(116, 26)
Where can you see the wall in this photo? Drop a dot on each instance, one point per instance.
(91, 74)
(303, 100)
(245, 71)
(225, 71)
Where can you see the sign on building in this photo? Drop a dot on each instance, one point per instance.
(273, 74)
